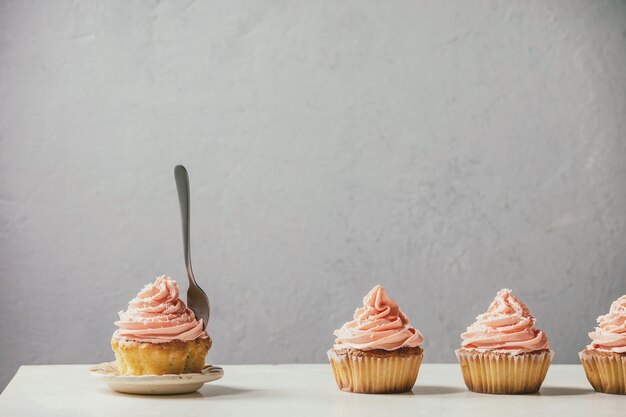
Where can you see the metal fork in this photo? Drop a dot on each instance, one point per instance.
(197, 300)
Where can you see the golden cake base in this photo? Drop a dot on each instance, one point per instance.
(175, 357)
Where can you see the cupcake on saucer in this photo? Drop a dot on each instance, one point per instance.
(604, 360)
(503, 352)
(158, 334)
(379, 351)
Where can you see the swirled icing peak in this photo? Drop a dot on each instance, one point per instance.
(379, 324)
(158, 315)
(610, 335)
(507, 327)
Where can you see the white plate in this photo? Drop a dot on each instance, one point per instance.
(154, 384)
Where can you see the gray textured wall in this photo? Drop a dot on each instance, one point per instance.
(444, 149)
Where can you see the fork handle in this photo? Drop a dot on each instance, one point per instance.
(182, 186)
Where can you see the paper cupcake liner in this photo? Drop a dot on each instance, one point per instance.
(176, 357)
(606, 373)
(372, 375)
(494, 373)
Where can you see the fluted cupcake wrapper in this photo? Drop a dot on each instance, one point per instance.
(375, 375)
(606, 373)
(494, 373)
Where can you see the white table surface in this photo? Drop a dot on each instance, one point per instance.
(301, 390)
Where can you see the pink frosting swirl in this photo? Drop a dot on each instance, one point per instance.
(157, 315)
(379, 324)
(610, 335)
(506, 327)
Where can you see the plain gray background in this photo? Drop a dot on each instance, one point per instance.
(443, 149)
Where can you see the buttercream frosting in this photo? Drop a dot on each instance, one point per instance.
(158, 315)
(506, 327)
(610, 335)
(379, 324)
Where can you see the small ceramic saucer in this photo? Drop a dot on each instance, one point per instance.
(154, 384)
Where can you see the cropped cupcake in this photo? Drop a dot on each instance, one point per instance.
(379, 351)
(604, 359)
(158, 334)
(503, 352)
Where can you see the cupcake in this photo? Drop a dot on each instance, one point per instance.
(379, 351)
(604, 359)
(503, 352)
(158, 334)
